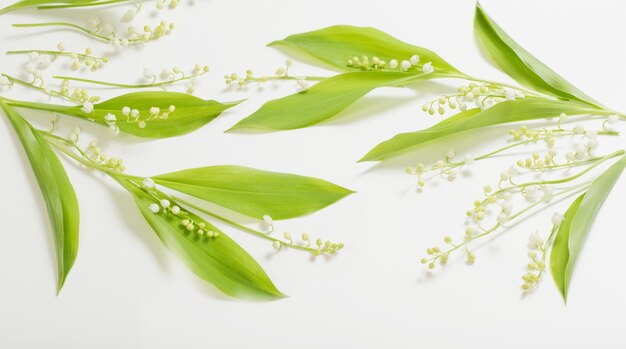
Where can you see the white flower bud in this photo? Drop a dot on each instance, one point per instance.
(129, 15)
(148, 183)
(427, 68)
(557, 218)
(414, 59)
(87, 107)
(110, 118)
(154, 208)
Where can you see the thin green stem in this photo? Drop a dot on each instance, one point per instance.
(55, 53)
(113, 84)
(100, 3)
(62, 145)
(571, 191)
(576, 176)
(64, 24)
(243, 227)
(39, 88)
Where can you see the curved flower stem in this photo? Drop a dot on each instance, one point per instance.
(63, 144)
(41, 89)
(56, 53)
(288, 77)
(99, 3)
(596, 163)
(244, 228)
(570, 191)
(113, 84)
(558, 133)
(65, 24)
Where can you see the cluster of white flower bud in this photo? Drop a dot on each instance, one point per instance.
(282, 73)
(482, 95)
(189, 225)
(317, 247)
(375, 63)
(537, 265)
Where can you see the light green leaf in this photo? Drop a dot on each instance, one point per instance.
(33, 3)
(576, 224)
(505, 112)
(219, 261)
(191, 112)
(322, 101)
(57, 191)
(335, 45)
(254, 192)
(519, 64)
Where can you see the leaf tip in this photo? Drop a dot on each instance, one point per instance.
(275, 43)
(229, 105)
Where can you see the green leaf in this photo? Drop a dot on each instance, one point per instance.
(191, 112)
(505, 112)
(57, 191)
(254, 192)
(33, 3)
(576, 224)
(322, 101)
(335, 45)
(219, 261)
(519, 64)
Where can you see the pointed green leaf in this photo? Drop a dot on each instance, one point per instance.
(576, 224)
(254, 192)
(322, 101)
(57, 191)
(501, 113)
(337, 44)
(219, 261)
(519, 64)
(190, 114)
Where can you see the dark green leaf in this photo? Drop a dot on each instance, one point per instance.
(576, 224)
(191, 112)
(518, 63)
(322, 101)
(501, 113)
(219, 261)
(57, 192)
(337, 44)
(254, 192)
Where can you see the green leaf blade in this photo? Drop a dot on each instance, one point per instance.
(23, 4)
(191, 112)
(57, 191)
(576, 225)
(219, 261)
(519, 64)
(322, 101)
(253, 192)
(472, 119)
(336, 44)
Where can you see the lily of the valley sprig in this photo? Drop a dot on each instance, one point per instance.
(95, 28)
(560, 125)
(266, 196)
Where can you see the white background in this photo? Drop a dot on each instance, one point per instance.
(127, 291)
